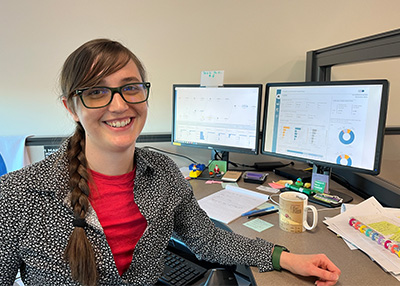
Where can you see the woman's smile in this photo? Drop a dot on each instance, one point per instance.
(119, 123)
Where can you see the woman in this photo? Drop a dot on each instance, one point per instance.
(72, 219)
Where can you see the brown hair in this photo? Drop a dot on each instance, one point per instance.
(86, 67)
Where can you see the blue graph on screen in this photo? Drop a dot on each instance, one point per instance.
(3, 168)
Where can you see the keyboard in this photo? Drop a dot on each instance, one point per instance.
(180, 271)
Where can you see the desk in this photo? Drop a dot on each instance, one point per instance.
(357, 268)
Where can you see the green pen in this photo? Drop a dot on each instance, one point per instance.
(299, 189)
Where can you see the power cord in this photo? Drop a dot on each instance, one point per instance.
(170, 153)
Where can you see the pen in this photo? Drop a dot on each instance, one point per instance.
(258, 211)
(263, 213)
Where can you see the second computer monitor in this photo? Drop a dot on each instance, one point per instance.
(333, 124)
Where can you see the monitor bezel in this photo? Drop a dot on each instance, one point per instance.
(220, 148)
(380, 129)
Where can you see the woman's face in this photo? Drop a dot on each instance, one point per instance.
(102, 133)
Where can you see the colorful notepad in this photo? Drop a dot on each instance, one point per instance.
(385, 232)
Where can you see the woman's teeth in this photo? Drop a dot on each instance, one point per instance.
(118, 124)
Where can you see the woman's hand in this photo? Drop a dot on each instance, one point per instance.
(311, 265)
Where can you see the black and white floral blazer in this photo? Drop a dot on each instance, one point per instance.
(36, 222)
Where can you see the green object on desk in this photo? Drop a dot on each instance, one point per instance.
(299, 189)
(319, 186)
(223, 185)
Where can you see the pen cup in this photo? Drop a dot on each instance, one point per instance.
(293, 208)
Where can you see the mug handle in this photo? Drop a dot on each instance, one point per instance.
(315, 218)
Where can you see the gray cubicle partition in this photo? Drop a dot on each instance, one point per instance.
(386, 186)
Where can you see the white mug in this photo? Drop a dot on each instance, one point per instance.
(293, 212)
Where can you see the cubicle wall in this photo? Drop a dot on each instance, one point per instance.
(39, 147)
(386, 186)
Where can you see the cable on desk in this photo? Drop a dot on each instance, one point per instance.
(171, 153)
(274, 202)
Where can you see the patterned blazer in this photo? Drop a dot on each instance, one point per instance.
(36, 222)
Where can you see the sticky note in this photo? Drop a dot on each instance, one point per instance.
(224, 185)
(395, 236)
(267, 189)
(280, 184)
(384, 227)
(258, 224)
(212, 78)
(265, 205)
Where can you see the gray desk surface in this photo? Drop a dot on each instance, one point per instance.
(357, 268)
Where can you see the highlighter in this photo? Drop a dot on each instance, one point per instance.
(299, 189)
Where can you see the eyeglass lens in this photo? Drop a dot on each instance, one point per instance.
(101, 96)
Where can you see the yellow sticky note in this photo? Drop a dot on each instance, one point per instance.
(384, 227)
(258, 224)
(396, 236)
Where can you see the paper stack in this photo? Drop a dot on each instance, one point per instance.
(387, 220)
(230, 203)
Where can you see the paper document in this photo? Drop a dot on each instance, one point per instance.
(369, 211)
(229, 204)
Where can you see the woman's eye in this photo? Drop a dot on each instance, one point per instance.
(96, 92)
(130, 88)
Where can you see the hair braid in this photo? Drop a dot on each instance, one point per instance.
(79, 252)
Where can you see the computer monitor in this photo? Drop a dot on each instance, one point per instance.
(223, 119)
(338, 124)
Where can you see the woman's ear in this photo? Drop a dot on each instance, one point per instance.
(73, 114)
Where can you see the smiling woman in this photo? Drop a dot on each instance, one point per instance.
(100, 211)
(106, 124)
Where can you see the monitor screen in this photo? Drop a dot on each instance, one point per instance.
(333, 124)
(218, 118)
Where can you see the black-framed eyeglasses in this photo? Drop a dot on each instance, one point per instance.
(101, 96)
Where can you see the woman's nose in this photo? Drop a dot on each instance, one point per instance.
(118, 104)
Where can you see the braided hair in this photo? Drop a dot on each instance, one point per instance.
(86, 67)
(79, 252)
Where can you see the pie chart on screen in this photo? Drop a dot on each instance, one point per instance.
(346, 136)
(344, 160)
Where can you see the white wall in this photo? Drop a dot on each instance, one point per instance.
(254, 41)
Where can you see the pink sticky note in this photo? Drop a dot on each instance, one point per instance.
(213, 182)
(275, 185)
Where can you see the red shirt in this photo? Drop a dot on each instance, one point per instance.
(113, 200)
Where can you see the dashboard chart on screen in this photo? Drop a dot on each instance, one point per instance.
(328, 124)
(217, 118)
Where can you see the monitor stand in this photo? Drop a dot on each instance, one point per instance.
(220, 155)
(322, 175)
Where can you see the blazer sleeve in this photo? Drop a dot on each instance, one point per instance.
(194, 227)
